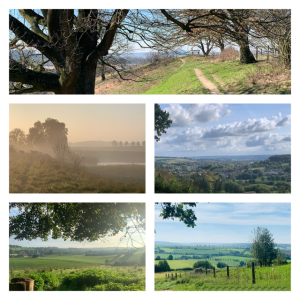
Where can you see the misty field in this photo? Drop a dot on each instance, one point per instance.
(277, 278)
(40, 173)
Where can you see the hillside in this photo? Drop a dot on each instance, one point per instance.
(183, 75)
(40, 173)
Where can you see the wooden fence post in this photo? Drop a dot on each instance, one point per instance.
(253, 273)
(175, 275)
(21, 284)
(268, 54)
(256, 53)
(214, 272)
(180, 275)
(166, 275)
(172, 276)
(227, 271)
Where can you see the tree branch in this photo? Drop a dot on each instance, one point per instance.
(102, 49)
(41, 81)
(34, 40)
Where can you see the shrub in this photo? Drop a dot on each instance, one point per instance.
(221, 265)
(229, 53)
(203, 264)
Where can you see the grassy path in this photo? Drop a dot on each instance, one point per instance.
(207, 83)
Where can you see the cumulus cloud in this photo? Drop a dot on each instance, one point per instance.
(247, 127)
(193, 113)
(267, 139)
(284, 122)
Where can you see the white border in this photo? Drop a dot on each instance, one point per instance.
(149, 198)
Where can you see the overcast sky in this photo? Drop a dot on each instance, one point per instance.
(226, 129)
(227, 223)
(85, 122)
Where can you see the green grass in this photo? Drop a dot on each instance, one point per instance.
(169, 78)
(240, 279)
(103, 278)
(33, 173)
(55, 261)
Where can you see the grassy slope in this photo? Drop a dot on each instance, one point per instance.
(267, 279)
(31, 173)
(173, 79)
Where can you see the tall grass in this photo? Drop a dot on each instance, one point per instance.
(32, 173)
(267, 279)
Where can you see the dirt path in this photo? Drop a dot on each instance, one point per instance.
(216, 78)
(207, 83)
(182, 61)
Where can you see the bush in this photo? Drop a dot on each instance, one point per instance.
(229, 53)
(203, 264)
(221, 265)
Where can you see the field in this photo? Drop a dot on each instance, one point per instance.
(267, 279)
(103, 278)
(38, 173)
(80, 272)
(172, 76)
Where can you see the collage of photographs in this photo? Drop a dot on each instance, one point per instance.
(95, 204)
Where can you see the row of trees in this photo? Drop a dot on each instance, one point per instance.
(75, 41)
(120, 144)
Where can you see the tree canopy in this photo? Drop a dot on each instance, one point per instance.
(162, 122)
(263, 246)
(75, 221)
(180, 211)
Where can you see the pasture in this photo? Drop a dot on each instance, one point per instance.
(276, 278)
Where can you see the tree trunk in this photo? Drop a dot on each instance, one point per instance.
(246, 56)
(285, 52)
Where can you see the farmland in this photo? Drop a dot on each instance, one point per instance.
(94, 270)
(182, 276)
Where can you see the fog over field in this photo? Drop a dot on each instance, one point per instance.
(98, 141)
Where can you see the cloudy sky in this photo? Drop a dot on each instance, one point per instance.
(227, 223)
(226, 129)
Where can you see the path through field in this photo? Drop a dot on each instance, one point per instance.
(207, 83)
(182, 61)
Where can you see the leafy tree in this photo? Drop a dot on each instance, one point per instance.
(126, 143)
(138, 144)
(74, 221)
(120, 143)
(143, 143)
(47, 134)
(114, 143)
(242, 263)
(203, 264)
(180, 211)
(132, 144)
(280, 258)
(17, 138)
(170, 257)
(221, 265)
(162, 122)
(157, 257)
(263, 246)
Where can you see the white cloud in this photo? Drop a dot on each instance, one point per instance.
(246, 127)
(267, 139)
(285, 121)
(193, 113)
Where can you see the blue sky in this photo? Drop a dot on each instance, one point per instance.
(226, 129)
(227, 223)
(112, 241)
